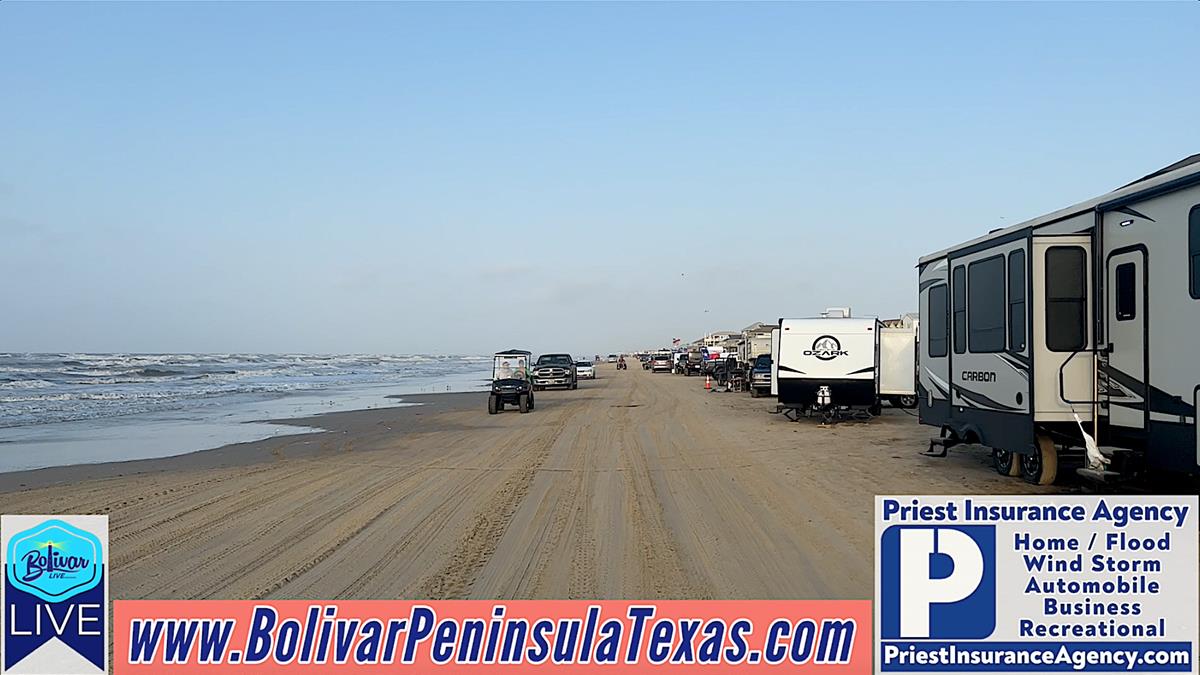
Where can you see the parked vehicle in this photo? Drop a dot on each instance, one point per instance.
(693, 363)
(660, 362)
(898, 361)
(760, 376)
(679, 363)
(1082, 321)
(612, 358)
(554, 370)
(756, 340)
(829, 366)
(713, 356)
(584, 370)
(510, 381)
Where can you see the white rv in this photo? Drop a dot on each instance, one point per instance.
(898, 361)
(828, 365)
(1080, 321)
(756, 340)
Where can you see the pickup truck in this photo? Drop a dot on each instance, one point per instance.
(555, 370)
(693, 363)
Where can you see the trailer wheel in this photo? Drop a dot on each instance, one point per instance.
(876, 409)
(523, 403)
(905, 401)
(492, 404)
(1005, 462)
(1040, 467)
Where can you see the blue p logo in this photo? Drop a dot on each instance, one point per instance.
(938, 582)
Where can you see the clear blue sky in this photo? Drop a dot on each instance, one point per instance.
(461, 178)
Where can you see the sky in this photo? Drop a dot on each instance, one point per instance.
(461, 178)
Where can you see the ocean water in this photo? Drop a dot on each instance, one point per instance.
(60, 409)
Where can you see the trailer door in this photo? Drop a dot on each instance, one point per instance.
(1126, 323)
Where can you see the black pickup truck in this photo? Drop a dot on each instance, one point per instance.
(555, 370)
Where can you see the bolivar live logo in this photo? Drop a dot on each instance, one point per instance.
(55, 594)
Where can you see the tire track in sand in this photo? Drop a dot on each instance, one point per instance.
(455, 578)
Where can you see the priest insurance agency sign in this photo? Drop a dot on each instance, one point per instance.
(55, 594)
(967, 584)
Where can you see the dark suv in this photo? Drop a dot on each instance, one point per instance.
(760, 376)
(555, 370)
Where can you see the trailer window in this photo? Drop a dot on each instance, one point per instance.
(939, 327)
(985, 311)
(1194, 250)
(1066, 298)
(959, 279)
(1126, 291)
(1016, 301)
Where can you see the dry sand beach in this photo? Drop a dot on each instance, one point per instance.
(634, 486)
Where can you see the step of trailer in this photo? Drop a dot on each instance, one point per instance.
(945, 443)
(1113, 451)
(1098, 475)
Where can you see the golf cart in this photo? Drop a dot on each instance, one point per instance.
(510, 381)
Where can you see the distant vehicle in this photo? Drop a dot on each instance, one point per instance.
(661, 362)
(612, 358)
(760, 376)
(679, 362)
(712, 358)
(693, 363)
(554, 370)
(646, 362)
(510, 381)
(584, 370)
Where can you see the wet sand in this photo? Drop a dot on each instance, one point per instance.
(633, 486)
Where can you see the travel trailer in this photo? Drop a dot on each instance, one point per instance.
(756, 339)
(828, 366)
(898, 361)
(1079, 325)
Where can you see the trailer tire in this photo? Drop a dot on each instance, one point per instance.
(531, 400)
(1006, 463)
(523, 403)
(493, 404)
(908, 401)
(876, 409)
(1040, 467)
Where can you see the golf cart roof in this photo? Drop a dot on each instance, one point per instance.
(514, 352)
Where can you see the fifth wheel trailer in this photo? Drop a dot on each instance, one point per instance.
(1080, 321)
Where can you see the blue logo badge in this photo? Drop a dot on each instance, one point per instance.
(937, 582)
(54, 561)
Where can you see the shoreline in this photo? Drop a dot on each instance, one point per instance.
(397, 419)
